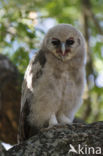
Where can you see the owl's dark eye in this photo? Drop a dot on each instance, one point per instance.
(70, 42)
(56, 42)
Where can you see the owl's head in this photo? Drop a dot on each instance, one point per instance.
(64, 41)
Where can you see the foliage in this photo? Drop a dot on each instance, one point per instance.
(20, 57)
(19, 37)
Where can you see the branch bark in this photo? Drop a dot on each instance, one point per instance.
(56, 141)
(2, 150)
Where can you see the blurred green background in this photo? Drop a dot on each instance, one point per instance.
(24, 23)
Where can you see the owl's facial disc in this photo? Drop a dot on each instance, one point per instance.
(63, 48)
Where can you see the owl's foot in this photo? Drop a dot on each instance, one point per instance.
(63, 119)
(53, 121)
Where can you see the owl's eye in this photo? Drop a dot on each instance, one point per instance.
(56, 42)
(70, 42)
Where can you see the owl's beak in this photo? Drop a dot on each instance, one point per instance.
(63, 48)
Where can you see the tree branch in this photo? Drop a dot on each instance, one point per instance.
(56, 141)
(88, 11)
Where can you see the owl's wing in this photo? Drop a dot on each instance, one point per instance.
(33, 73)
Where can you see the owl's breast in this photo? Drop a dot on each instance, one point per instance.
(61, 83)
(69, 85)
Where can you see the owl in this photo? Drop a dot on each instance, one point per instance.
(54, 81)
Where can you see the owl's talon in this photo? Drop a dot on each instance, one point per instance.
(53, 121)
(63, 119)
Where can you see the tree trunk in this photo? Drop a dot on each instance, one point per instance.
(9, 100)
(88, 15)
